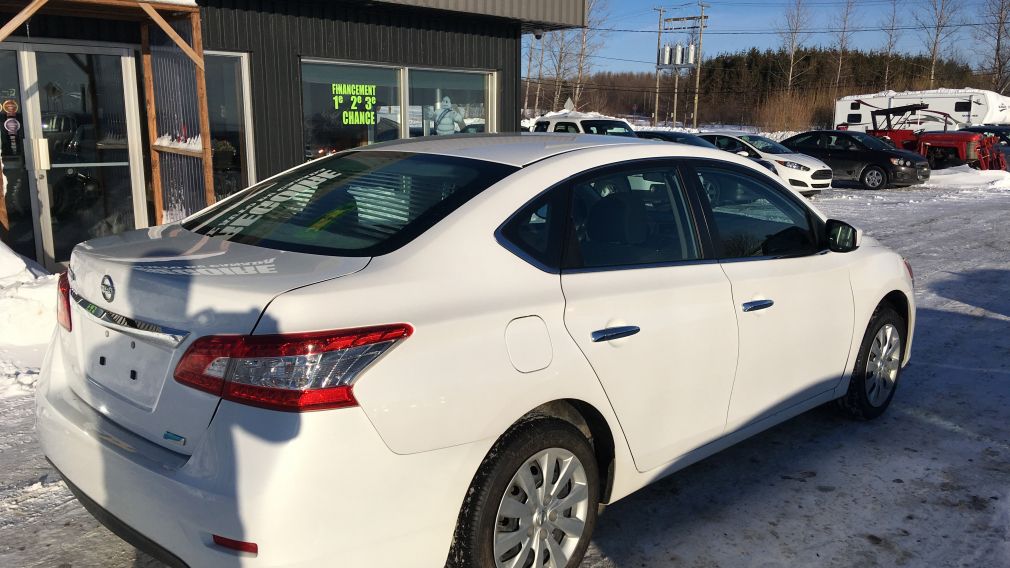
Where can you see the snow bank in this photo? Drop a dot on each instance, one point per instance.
(27, 302)
(963, 177)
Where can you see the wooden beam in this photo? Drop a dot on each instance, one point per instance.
(20, 18)
(170, 31)
(152, 122)
(201, 105)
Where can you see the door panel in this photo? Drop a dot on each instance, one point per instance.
(635, 262)
(793, 303)
(797, 347)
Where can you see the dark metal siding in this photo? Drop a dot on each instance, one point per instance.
(545, 13)
(277, 34)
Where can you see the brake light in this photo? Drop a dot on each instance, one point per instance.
(292, 372)
(63, 302)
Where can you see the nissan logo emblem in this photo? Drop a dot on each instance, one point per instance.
(108, 289)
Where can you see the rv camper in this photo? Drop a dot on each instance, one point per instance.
(953, 108)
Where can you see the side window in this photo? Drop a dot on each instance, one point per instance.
(566, 127)
(630, 217)
(537, 228)
(808, 140)
(962, 106)
(752, 218)
(854, 118)
(853, 106)
(541, 126)
(840, 142)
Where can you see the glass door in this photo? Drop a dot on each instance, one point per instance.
(86, 118)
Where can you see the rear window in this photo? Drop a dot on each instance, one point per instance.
(608, 127)
(351, 204)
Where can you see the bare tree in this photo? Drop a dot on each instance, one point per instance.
(797, 22)
(560, 46)
(590, 40)
(892, 33)
(995, 34)
(842, 37)
(936, 19)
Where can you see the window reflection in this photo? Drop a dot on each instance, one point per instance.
(346, 106)
(228, 123)
(447, 102)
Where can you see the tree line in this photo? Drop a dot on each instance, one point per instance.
(791, 87)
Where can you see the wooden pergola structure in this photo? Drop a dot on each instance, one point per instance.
(144, 13)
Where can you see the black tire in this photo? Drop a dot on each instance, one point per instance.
(857, 402)
(873, 178)
(473, 541)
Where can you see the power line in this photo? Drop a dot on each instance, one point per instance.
(808, 31)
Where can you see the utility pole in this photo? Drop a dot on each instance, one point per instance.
(697, 73)
(678, 61)
(659, 46)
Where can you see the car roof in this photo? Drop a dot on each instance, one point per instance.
(513, 149)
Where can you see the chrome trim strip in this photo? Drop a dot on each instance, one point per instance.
(144, 330)
(611, 333)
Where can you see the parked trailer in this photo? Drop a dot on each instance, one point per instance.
(957, 107)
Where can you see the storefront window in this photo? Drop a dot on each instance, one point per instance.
(346, 106)
(447, 102)
(229, 125)
(16, 228)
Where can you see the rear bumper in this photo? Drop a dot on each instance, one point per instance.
(310, 489)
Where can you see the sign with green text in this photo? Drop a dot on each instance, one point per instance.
(355, 102)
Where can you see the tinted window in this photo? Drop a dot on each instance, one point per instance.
(566, 127)
(752, 218)
(962, 106)
(351, 204)
(537, 228)
(853, 106)
(541, 126)
(809, 140)
(871, 142)
(608, 127)
(855, 117)
(634, 216)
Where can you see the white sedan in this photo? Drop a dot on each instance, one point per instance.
(453, 348)
(805, 174)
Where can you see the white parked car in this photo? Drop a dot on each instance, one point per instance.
(582, 123)
(453, 348)
(806, 174)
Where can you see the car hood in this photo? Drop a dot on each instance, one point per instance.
(803, 159)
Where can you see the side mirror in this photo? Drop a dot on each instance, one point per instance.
(842, 237)
(743, 153)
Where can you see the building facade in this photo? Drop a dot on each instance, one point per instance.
(285, 81)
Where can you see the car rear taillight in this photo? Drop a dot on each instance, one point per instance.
(293, 372)
(63, 302)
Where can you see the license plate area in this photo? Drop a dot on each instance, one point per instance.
(124, 366)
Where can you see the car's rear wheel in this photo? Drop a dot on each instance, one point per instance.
(873, 178)
(878, 366)
(533, 501)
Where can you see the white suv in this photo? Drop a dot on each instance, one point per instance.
(580, 123)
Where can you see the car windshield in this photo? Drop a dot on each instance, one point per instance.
(871, 142)
(609, 127)
(351, 204)
(766, 145)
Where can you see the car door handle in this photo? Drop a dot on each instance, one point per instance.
(757, 305)
(611, 333)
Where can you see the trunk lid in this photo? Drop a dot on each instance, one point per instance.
(139, 299)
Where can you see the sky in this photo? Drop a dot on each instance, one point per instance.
(741, 24)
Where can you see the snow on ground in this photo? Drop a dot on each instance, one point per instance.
(928, 484)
